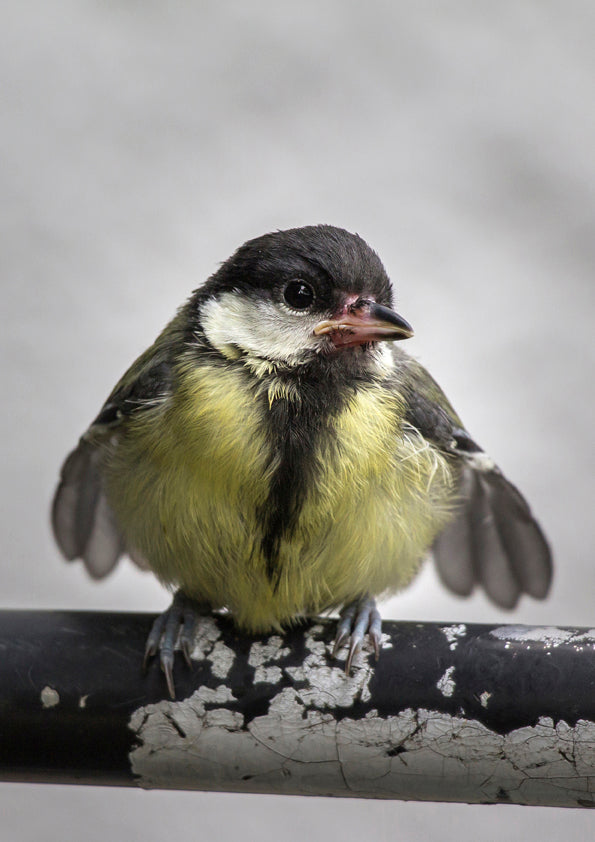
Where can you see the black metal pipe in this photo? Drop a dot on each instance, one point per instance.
(451, 712)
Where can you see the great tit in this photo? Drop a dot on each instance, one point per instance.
(275, 454)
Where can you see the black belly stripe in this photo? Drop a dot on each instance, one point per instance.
(295, 430)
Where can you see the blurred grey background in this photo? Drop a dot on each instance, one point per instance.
(141, 143)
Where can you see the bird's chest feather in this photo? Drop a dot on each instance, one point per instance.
(201, 465)
(274, 506)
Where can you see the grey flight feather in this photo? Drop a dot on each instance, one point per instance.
(494, 541)
(83, 522)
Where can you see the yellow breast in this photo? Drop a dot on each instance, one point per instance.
(380, 499)
(187, 483)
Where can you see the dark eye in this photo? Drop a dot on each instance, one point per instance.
(298, 294)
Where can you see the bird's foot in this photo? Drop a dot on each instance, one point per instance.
(180, 618)
(355, 621)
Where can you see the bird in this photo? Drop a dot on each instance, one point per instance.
(277, 454)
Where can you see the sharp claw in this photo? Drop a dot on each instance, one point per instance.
(375, 631)
(344, 627)
(355, 621)
(376, 640)
(187, 635)
(152, 644)
(356, 645)
(165, 632)
(167, 666)
(186, 652)
(340, 641)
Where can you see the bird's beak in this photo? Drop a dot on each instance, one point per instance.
(363, 322)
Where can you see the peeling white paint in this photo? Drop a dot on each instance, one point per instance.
(300, 746)
(484, 698)
(221, 658)
(327, 685)
(419, 754)
(453, 633)
(550, 636)
(49, 697)
(270, 650)
(587, 636)
(446, 684)
(270, 675)
(83, 701)
(206, 634)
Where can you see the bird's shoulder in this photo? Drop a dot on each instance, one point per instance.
(146, 385)
(428, 410)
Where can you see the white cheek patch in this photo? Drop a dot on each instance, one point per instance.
(384, 358)
(259, 328)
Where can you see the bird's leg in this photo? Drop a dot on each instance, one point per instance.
(183, 612)
(357, 619)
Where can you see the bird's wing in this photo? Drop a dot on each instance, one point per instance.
(494, 540)
(83, 522)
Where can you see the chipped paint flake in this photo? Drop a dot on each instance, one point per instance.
(453, 633)
(550, 636)
(83, 701)
(268, 675)
(328, 687)
(49, 697)
(325, 684)
(221, 658)
(270, 650)
(446, 684)
(207, 633)
(484, 698)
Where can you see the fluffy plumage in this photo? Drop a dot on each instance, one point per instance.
(271, 454)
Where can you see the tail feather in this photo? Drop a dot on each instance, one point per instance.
(82, 520)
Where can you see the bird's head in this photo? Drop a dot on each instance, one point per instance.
(290, 296)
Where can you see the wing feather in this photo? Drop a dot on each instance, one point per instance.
(494, 540)
(83, 522)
